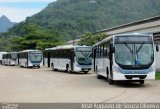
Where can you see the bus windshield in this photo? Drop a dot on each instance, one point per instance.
(134, 54)
(13, 56)
(35, 56)
(84, 57)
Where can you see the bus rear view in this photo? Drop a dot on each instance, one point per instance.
(131, 58)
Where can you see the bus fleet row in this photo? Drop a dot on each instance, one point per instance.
(127, 57)
(25, 58)
(68, 58)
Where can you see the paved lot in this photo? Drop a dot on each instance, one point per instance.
(43, 85)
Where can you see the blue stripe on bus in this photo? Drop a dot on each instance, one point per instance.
(143, 71)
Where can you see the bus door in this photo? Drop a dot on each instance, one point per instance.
(72, 55)
(94, 58)
(48, 58)
(18, 58)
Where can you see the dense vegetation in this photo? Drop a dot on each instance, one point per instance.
(5, 44)
(158, 75)
(64, 19)
(76, 17)
(36, 37)
(90, 39)
(33, 37)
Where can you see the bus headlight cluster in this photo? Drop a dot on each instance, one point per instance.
(151, 69)
(77, 65)
(116, 69)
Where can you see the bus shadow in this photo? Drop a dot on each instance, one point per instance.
(128, 84)
(72, 73)
(29, 67)
(79, 73)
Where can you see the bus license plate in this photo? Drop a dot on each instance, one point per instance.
(135, 78)
(85, 69)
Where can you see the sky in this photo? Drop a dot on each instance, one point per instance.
(18, 10)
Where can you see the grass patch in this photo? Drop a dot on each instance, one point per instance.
(157, 75)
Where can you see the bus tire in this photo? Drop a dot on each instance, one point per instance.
(67, 68)
(86, 72)
(141, 82)
(107, 73)
(110, 81)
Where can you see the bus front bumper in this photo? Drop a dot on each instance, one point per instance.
(82, 69)
(120, 76)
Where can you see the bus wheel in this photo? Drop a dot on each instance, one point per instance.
(110, 81)
(107, 73)
(53, 67)
(86, 72)
(141, 82)
(67, 68)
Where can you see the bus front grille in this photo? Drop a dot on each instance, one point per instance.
(135, 76)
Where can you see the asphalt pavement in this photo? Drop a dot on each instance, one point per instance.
(30, 85)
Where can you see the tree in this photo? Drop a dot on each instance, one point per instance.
(36, 38)
(90, 39)
(4, 44)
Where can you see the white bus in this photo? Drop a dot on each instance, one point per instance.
(30, 58)
(69, 58)
(125, 57)
(10, 58)
(1, 54)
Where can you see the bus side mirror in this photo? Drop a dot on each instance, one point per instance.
(157, 48)
(112, 49)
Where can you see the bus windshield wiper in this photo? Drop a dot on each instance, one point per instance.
(139, 48)
(128, 47)
(83, 53)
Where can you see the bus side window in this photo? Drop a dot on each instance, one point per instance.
(55, 53)
(71, 54)
(103, 51)
(97, 51)
(100, 51)
(60, 54)
(45, 54)
(51, 54)
(94, 53)
(64, 53)
(25, 55)
(107, 52)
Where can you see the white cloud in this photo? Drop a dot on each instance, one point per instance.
(15, 1)
(16, 14)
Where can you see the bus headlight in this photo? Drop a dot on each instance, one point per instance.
(152, 69)
(116, 70)
(76, 64)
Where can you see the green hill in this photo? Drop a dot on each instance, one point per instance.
(76, 17)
